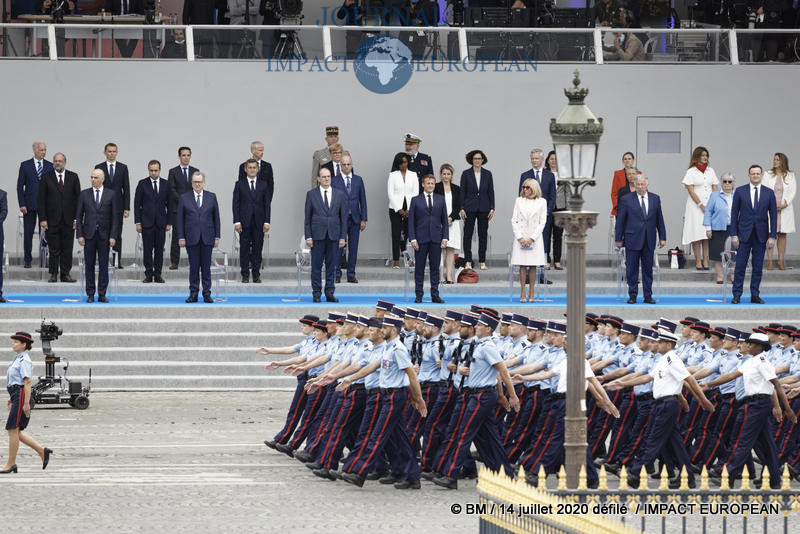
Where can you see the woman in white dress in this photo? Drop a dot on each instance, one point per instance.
(403, 185)
(527, 222)
(452, 197)
(700, 181)
(781, 180)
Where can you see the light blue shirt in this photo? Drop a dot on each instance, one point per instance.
(555, 355)
(373, 354)
(409, 338)
(739, 382)
(644, 363)
(450, 345)
(20, 369)
(592, 339)
(303, 345)
(718, 211)
(515, 349)
(698, 355)
(535, 353)
(354, 356)
(681, 351)
(394, 361)
(482, 372)
(728, 363)
(614, 353)
(428, 372)
(713, 362)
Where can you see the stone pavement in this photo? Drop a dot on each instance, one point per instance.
(195, 462)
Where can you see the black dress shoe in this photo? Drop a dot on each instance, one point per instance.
(429, 475)
(532, 480)
(102, 298)
(256, 279)
(304, 456)
(208, 299)
(89, 299)
(352, 478)
(649, 300)
(794, 473)
(173, 267)
(317, 299)
(331, 298)
(613, 468)
(632, 300)
(736, 300)
(675, 483)
(446, 482)
(26, 266)
(352, 280)
(323, 473)
(407, 484)
(336, 474)
(285, 449)
(53, 279)
(633, 481)
(245, 280)
(314, 465)
(68, 279)
(270, 443)
(147, 280)
(591, 484)
(192, 298)
(375, 475)
(389, 479)
(338, 279)
(46, 459)
(120, 267)
(12, 469)
(437, 300)
(418, 300)
(2, 300)
(467, 475)
(158, 279)
(756, 300)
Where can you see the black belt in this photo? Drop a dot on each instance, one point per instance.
(712, 391)
(557, 396)
(726, 396)
(627, 389)
(373, 391)
(760, 396)
(478, 390)
(532, 388)
(644, 396)
(357, 387)
(431, 383)
(12, 389)
(668, 398)
(386, 391)
(545, 391)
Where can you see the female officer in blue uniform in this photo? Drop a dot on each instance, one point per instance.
(19, 377)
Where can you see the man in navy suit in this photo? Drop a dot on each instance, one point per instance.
(30, 173)
(325, 229)
(153, 210)
(264, 167)
(547, 182)
(353, 187)
(754, 227)
(639, 218)
(428, 232)
(117, 178)
(3, 215)
(96, 227)
(251, 216)
(198, 230)
(180, 181)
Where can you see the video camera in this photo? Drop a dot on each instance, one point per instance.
(289, 11)
(65, 390)
(49, 331)
(57, 11)
(150, 12)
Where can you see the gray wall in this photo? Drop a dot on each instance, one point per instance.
(742, 114)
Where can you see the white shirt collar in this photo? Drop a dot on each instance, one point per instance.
(321, 189)
(109, 163)
(37, 161)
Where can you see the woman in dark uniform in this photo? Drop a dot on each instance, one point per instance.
(19, 377)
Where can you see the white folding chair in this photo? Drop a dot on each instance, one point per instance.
(219, 270)
(44, 256)
(302, 258)
(728, 258)
(138, 268)
(539, 286)
(621, 269)
(113, 278)
(20, 231)
(235, 247)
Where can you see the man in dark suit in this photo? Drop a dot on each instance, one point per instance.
(325, 229)
(547, 182)
(639, 218)
(335, 164)
(418, 162)
(264, 167)
(251, 216)
(96, 227)
(428, 232)
(353, 187)
(58, 200)
(125, 7)
(200, 12)
(153, 209)
(30, 174)
(116, 178)
(180, 181)
(3, 215)
(754, 227)
(198, 231)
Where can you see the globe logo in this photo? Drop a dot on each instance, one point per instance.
(383, 64)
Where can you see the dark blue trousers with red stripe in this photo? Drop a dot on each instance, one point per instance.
(664, 433)
(620, 431)
(638, 431)
(477, 426)
(295, 411)
(415, 423)
(600, 426)
(344, 428)
(719, 440)
(312, 407)
(788, 443)
(519, 434)
(389, 433)
(369, 418)
(436, 424)
(322, 420)
(726, 445)
(329, 415)
(704, 428)
(449, 441)
(755, 433)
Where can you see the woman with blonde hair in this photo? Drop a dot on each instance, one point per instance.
(781, 180)
(700, 181)
(527, 222)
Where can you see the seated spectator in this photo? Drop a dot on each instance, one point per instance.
(606, 11)
(627, 46)
(175, 49)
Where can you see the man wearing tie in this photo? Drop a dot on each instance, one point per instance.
(116, 178)
(335, 164)
(639, 218)
(251, 216)
(353, 187)
(153, 209)
(180, 181)
(198, 231)
(96, 227)
(325, 229)
(547, 182)
(754, 227)
(418, 162)
(323, 155)
(30, 174)
(59, 190)
(428, 232)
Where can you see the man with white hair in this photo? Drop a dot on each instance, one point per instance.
(30, 174)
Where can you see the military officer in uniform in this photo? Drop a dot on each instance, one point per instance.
(420, 163)
(323, 155)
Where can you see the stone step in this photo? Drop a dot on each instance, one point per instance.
(186, 382)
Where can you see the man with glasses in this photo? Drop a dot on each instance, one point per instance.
(30, 174)
(198, 231)
(352, 185)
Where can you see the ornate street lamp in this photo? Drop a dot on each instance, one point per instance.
(576, 136)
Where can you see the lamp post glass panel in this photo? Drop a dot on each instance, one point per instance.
(576, 136)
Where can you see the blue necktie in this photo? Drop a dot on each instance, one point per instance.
(97, 198)
(755, 197)
(537, 177)
(644, 208)
(39, 170)
(111, 173)
(348, 184)
(198, 201)
(186, 174)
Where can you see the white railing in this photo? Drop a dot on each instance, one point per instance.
(690, 45)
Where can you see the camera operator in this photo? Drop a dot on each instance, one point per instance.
(241, 42)
(353, 15)
(768, 15)
(57, 9)
(421, 13)
(269, 38)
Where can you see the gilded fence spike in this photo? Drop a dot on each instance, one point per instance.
(603, 484)
(746, 480)
(725, 482)
(623, 478)
(785, 479)
(684, 479)
(562, 479)
(582, 478)
(643, 478)
(664, 478)
(704, 479)
(541, 478)
(765, 479)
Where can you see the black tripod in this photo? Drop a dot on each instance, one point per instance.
(5, 41)
(289, 46)
(247, 47)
